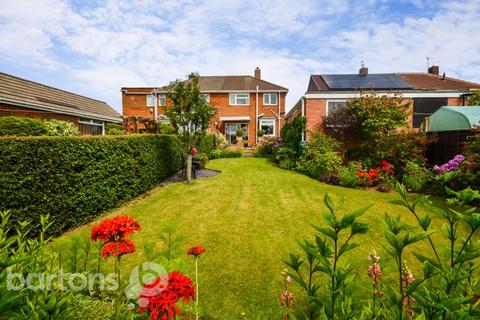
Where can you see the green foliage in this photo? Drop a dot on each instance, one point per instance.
(415, 176)
(206, 143)
(291, 133)
(323, 256)
(217, 154)
(469, 173)
(260, 133)
(285, 157)
(114, 129)
(474, 99)
(189, 113)
(321, 156)
(348, 175)
(267, 148)
(61, 128)
(239, 133)
(18, 126)
(202, 158)
(75, 179)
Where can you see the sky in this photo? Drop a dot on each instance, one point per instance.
(94, 48)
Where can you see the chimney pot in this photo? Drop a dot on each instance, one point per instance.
(258, 73)
(434, 70)
(363, 71)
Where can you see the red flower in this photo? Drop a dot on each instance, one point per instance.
(193, 151)
(196, 251)
(160, 300)
(114, 228)
(124, 246)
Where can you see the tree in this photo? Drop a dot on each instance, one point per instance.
(291, 133)
(474, 99)
(189, 113)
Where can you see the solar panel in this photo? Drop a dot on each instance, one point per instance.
(370, 81)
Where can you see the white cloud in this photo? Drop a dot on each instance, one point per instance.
(111, 44)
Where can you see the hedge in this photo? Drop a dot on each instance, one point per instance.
(18, 126)
(75, 179)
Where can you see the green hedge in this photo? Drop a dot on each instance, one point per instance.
(217, 154)
(18, 126)
(75, 179)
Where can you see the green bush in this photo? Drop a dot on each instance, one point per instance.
(75, 179)
(18, 126)
(114, 129)
(285, 157)
(415, 176)
(211, 141)
(348, 175)
(61, 128)
(321, 156)
(217, 154)
(291, 134)
(202, 157)
(267, 148)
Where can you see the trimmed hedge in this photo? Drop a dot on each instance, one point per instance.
(75, 179)
(18, 126)
(217, 154)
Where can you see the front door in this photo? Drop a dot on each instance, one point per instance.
(231, 132)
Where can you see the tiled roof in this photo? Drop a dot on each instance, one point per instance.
(33, 94)
(427, 81)
(230, 83)
(415, 81)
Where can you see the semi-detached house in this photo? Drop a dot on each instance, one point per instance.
(246, 102)
(426, 92)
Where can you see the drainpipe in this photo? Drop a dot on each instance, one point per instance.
(155, 107)
(279, 114)
(303, 115)
(256, 115)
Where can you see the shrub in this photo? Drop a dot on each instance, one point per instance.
(260, 133)
(212, 141)
(267, 148)
(239, 133)
(61, 128)
(114, 129)
(348, 175)
(415, 176)
(18, 126)
(165, 128)
(291, 133)
(321, 156)
(285, 157)
(202, 157)
(217, 154)
(75, 179)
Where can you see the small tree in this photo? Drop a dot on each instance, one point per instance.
(474, 99)
(190, 114)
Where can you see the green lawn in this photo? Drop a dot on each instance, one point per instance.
(249, 218)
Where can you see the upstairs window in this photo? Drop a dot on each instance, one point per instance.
(150, 100)
(162, 100)
(239, 99)
(270, 98)
(206, 96)
(334, 104)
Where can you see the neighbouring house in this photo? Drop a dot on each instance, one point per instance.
(246, 102)
(25, 98)
(426, 91)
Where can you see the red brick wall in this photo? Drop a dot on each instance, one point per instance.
(11, 110)
(315, 110)
(136, 105)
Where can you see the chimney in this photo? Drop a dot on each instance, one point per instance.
(258, 73)
(363, 71)
(434, 70)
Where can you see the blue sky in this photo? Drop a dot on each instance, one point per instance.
(96, 47)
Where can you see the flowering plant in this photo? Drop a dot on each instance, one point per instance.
(196, 251)
(374, 175)
(193, 151)
(160, 297)
(451, 165)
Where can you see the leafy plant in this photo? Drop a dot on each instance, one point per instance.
(348, 175)
(217, 154)
(61, 128)
(239, 133)
(260, 133)
(291, 134)
(415, 176)
(18, 126)
(324, 256)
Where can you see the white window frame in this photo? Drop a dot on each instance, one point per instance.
(269, 121)
(93, 122)
(152, 101)
(269, 95)
(162, 100)
(333, 100)
(235, 99)
(206, 96)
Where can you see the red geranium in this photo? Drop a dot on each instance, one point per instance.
(196, 251)
(193, 151)
(124, 246)
(160, 300)
(114, 228)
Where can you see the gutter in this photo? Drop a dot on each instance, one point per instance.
(303, 115)
(61, 110)
(256, 116)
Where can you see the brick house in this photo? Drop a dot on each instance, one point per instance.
(246, 102)
(25, 98)
(426, 92)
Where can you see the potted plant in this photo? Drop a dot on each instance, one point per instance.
(260, 133)
(239, 134)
